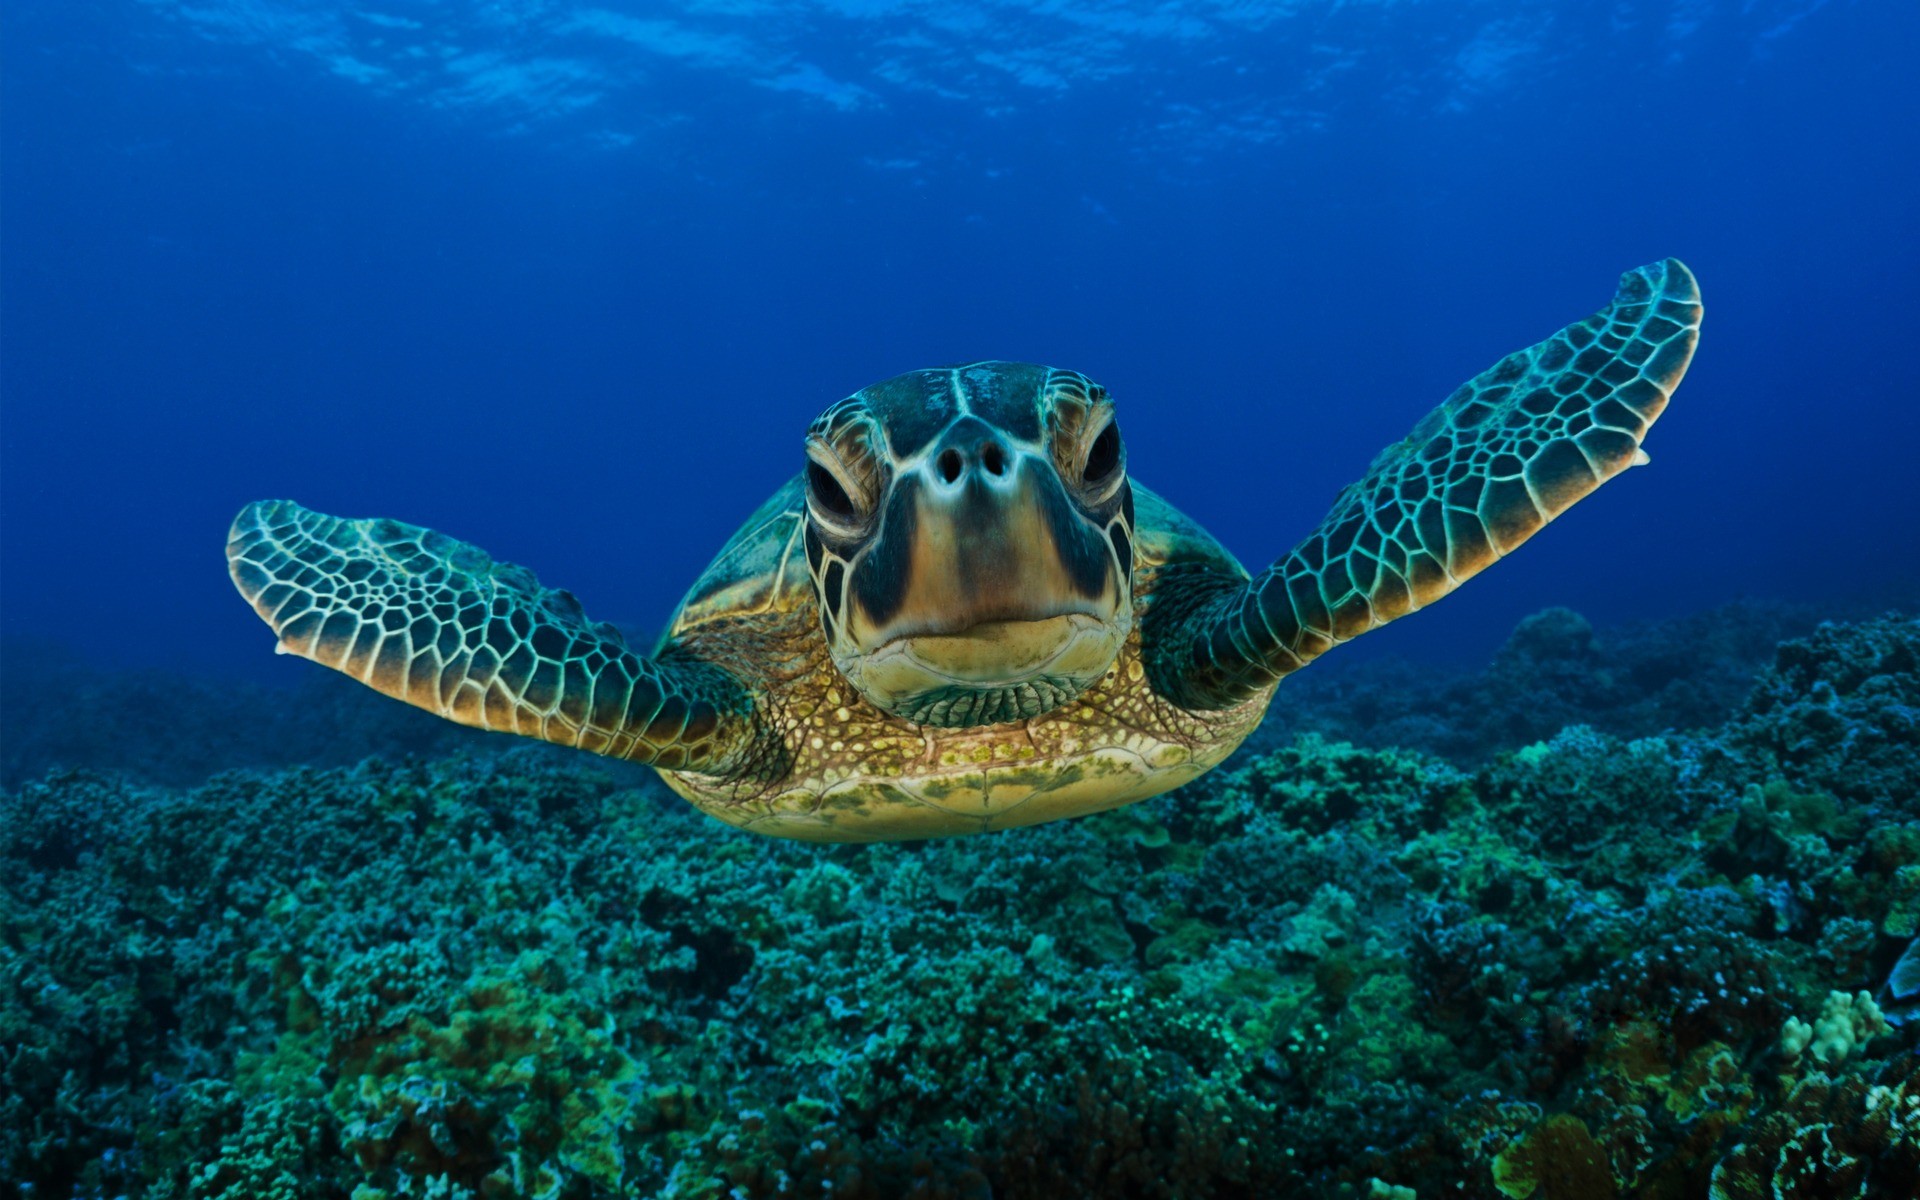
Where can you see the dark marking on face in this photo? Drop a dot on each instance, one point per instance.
(1078, 545)
(880, 585)
(1122, 547)
(836, 575)
(815, 551)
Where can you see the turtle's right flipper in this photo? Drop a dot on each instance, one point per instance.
(1509, 451)
(434, 621)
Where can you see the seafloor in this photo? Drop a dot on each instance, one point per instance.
(1621, 915)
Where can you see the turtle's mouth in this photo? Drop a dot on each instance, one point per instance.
(990, 671)
(1005, 651)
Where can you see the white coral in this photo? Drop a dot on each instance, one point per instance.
(1845, 1025)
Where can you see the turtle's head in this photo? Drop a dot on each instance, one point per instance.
(970, 534)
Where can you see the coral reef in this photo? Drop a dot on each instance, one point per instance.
(1622, 956)
(1556, 670)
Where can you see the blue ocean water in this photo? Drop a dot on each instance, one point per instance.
(1599, 880)
(569, 281)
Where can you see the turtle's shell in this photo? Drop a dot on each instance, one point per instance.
(762, 567)
(860, 774)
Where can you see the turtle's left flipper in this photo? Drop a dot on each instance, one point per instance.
(1508, 452)
(433, 621)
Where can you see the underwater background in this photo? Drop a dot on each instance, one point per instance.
(1599, 880)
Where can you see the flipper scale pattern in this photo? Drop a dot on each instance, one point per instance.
(1508, 452)
(434, 621)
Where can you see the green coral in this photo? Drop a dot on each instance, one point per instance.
(521, 1061)
(1593, 965)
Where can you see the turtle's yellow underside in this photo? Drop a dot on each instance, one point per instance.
(860, 775)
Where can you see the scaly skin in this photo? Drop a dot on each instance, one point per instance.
(1508, 452)
(431, 620)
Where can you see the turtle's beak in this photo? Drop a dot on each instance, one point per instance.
(984, 575)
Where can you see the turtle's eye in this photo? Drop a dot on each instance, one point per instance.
(827, 492)
(1104, 455)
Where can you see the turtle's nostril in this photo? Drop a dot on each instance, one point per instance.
(993, 458)
(949, 464)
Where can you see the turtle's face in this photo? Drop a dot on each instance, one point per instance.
(970, 534)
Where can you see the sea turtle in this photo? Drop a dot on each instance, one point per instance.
(963, 615)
